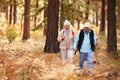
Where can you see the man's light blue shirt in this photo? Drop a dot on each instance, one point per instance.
(85, 47)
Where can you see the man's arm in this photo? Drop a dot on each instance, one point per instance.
(76, 42)
(95, 38)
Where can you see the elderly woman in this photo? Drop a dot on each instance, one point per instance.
(66, 39)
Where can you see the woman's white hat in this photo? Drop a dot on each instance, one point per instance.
(66, 22)
(87, 24)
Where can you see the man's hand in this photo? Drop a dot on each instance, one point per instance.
(75, 51)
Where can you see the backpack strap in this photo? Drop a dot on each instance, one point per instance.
(73, 33)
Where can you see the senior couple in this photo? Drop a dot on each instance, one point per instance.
(84, 42)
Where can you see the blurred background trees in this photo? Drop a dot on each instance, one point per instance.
(49, 15)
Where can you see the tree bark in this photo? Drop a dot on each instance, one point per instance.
(62, 18)
(46, 9)
(118, 11)
(51, 45)
(15, 12)
(78, 22)
(87, 9)
(10, 15)
(45, 17)
(26, 30)
(102, 22)
(7, 13)
(111, 35)
(96, 15)
(35, 18)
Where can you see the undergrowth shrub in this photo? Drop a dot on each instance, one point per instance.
(11, 35)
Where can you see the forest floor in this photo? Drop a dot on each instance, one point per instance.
(27, 61)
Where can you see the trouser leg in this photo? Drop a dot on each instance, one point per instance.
(82, 59)
(70, 54)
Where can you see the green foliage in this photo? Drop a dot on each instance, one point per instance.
(113, 61)
(37, 11)
(73, 10)
(40, 25)
(11, 35)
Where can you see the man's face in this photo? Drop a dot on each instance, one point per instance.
(86, 29)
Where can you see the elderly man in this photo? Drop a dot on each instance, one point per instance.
(85, 42)
(66, 39)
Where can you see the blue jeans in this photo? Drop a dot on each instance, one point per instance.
(87, 56)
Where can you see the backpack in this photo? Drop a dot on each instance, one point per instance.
(72, 32)
(81, 37)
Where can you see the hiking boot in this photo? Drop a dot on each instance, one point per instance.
(80, 70)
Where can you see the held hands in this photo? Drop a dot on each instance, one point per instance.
(75, 51)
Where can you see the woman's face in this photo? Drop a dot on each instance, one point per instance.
(67, 27)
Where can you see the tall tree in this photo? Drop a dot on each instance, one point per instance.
(46, 9)
(51, 44)
(96, 14)
(62, 15)
(118, 12)
(15, 12)
(26, 30)
(35, 18)
(111, 36)
(78, 21)
(45, 16)
(87, 9)
(102, 24)
(10, 15)
(6, 9)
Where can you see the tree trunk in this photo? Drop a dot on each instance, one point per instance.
(102, 22)
(21, 25)
(7, 13)
(118, 12)
(35, 18)
(10, 15)
(51, 45)
(15, 12)
(112, 39)
(78, 22)
(96, 15)
(62, 18)
(26, 30)
(45, 17)
(87, 9)
(46, 9)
